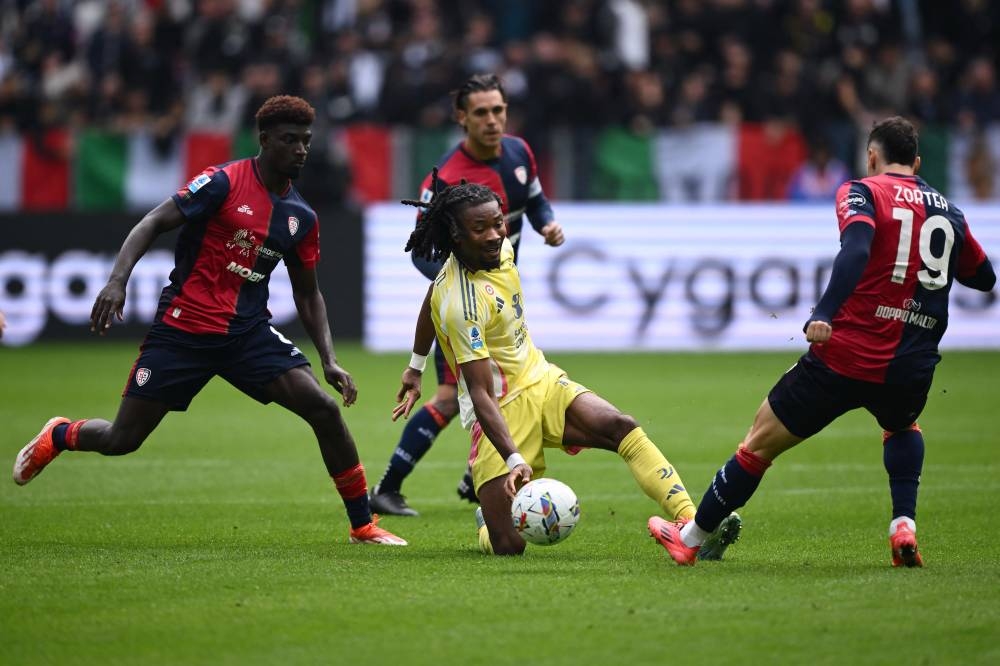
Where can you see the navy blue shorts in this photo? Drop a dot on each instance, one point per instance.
(444, 373)
(811, 396)
(173, 366)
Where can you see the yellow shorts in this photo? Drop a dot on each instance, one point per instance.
(536, 418)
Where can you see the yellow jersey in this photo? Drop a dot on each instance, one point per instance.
(481, 315)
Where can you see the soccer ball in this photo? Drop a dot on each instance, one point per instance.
(545, 511)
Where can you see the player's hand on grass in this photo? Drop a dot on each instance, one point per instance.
(516, 478)
(553, 234)
(108, 304)
(818, 331)
(408, 394)
(341, 380)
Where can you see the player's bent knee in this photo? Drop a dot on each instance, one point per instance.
(447, 408)
(623, 425)
(913, 427)
(324, 411)
(310, 402)
(445, 405)
(627, 422)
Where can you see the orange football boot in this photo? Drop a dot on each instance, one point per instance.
(38, 453)
(372, 533)
(904, 547)
(668, 535)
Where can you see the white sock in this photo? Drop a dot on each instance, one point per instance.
(692, 535)
(897, 521)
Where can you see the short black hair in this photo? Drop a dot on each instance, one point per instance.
(897, 138)
(477, 83)
(284, 109)
(432, 237)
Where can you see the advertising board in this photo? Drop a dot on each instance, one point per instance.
(657, 277)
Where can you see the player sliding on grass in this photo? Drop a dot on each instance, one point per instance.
(514, 401)
(238, 221)
(874, 336)
(506, 165)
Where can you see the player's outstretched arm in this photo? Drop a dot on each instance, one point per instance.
(110, 302)
(423, 334)
(553, 234)
(539, 210)
(974, 268)
(984, 279)
(409, 392)
(311, 306)
(855, 247)
(818, 331)
(423, 337)
(479, 380)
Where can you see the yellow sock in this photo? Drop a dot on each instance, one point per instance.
(655, 475)
(484, 541)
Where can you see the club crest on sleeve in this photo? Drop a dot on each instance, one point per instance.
(293, 224)
(426, 195)
(198, 183)
(142, 376)
(521, 173)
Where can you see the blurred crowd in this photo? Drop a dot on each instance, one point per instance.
(171, 65)
(207, 63)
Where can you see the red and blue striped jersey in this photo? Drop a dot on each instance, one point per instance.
(889, 328)
(235, 234)
(513, 176)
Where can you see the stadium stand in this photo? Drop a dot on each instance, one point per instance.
(102, 101)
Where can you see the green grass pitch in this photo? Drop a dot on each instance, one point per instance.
(222, 541)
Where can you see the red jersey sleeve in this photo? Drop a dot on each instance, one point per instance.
(307, 249)
(532, 164)
(971, 256)
(855, 203)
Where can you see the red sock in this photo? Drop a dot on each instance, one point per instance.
(65, 435)
(353, 489)
(751, 462)
(436, 415)
(73, 434)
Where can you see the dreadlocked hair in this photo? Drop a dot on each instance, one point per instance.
(438, 222)
(284, 109)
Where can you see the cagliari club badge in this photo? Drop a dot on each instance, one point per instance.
(293, 224)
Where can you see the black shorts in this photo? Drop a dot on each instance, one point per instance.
(173, 366)
(810, 396)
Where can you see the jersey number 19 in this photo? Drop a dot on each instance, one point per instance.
(935, 274)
